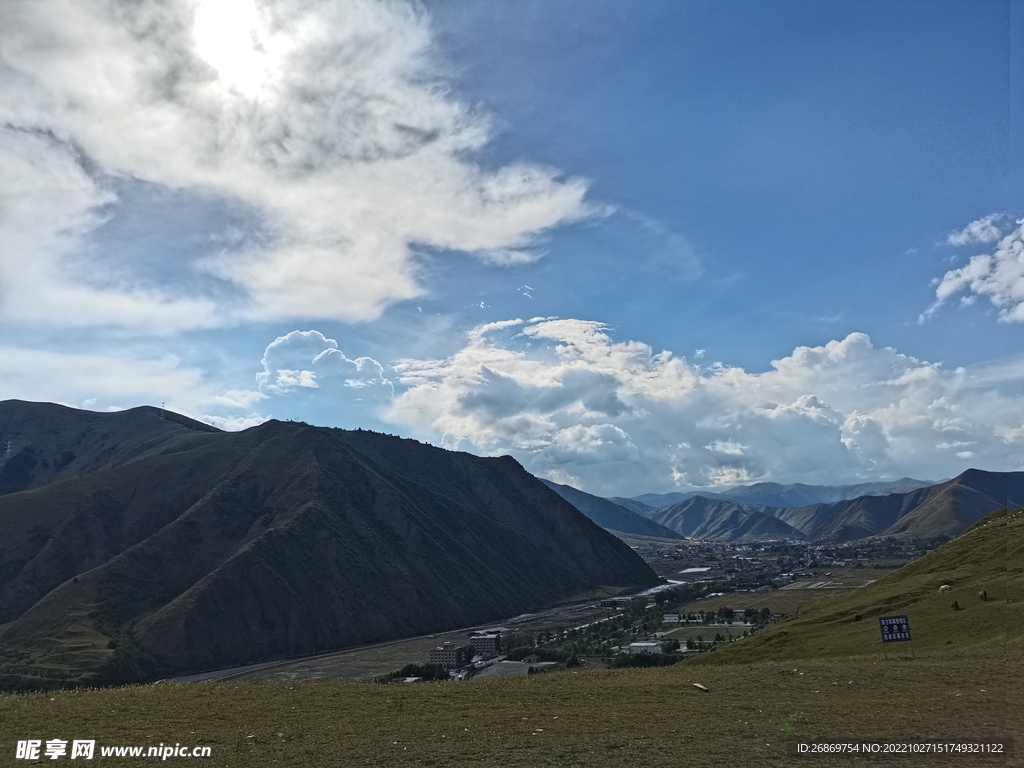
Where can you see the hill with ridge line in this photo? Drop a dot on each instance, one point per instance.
(228, 548)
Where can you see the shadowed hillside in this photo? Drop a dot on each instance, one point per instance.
(610, 514)
(280, 540)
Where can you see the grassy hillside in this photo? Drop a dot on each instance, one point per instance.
(986, 557)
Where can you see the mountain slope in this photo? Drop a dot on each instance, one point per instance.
(633, 506)
(51, 442)
(610, 515)
(945, 509)
(280, 540)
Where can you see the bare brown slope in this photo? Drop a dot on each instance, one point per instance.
(286, 539)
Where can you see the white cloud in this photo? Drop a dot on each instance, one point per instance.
(328, 119)
(569, 401)
(980, 231)
(998, 276)
(305, 359)
(727, 447)
(103, 381)
(47, 203)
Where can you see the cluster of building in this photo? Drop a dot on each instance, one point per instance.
(484, 643)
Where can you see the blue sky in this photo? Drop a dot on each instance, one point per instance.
(485, 224)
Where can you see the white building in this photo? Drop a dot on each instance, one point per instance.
(645, 646)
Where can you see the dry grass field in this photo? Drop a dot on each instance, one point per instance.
(753, 715)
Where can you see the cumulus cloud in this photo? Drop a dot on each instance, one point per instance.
(999, 276)
(614, 417)
(329, 120)
(308, 359)
(980, 231)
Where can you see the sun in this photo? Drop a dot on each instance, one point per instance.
(230, 37)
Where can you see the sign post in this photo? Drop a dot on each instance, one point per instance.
(895, 629)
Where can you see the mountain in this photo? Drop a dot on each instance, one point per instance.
(610, 515)
(659, 500)
(795, 495)
(800, 495)
(634, 506)
(720, 520)
(44, 442)
(215, 549)
(944, 509)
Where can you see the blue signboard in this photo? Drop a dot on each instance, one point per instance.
(894, 628)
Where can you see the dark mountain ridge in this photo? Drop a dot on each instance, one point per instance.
(214, 549)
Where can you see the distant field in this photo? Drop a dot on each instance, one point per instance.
(796, 596)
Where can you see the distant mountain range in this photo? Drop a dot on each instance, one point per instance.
(142, 544)
(944, 509)
(796, 495)
(720, 520)
(903, 507)
(611, 514)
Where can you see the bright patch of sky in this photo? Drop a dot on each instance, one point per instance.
(638, 247)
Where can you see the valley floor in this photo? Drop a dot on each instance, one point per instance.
(752, 715)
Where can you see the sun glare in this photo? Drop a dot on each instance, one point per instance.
(228, 37)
